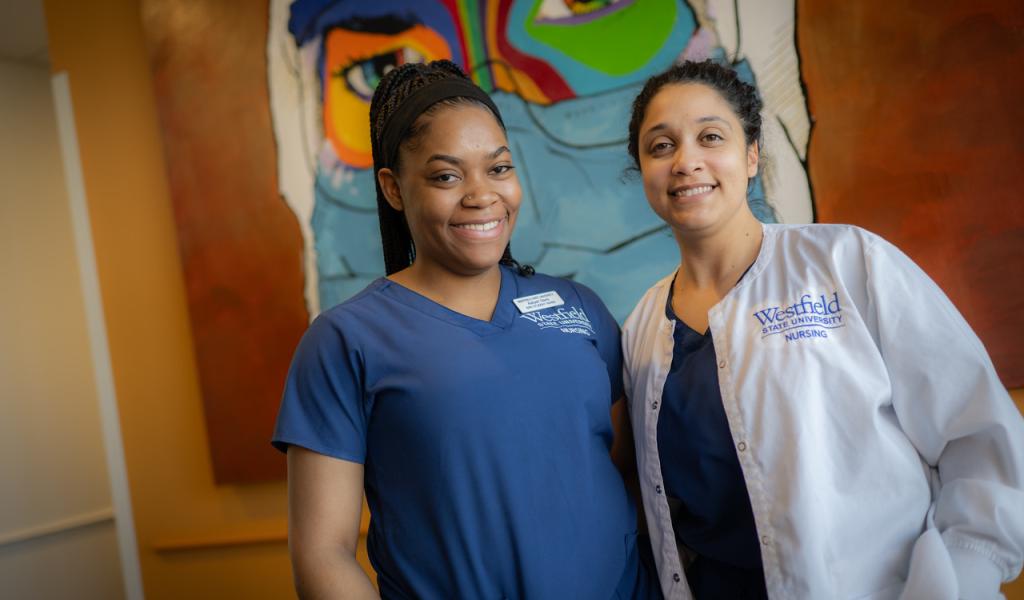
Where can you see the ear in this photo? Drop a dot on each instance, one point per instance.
(388, 181)
(753, 155)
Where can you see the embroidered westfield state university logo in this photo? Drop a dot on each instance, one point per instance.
(808, 318)
(573, 320)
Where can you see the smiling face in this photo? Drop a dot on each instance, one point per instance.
(458, 190)
(694, 159)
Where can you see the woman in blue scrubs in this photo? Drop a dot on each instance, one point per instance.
(813, 417)
(468, 396)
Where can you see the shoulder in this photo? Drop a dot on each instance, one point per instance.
(651, 305)
(349, 318)
(366, 300)
(824, 241)
(853, 254)
(822, 233)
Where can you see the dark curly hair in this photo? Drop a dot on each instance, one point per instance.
(394, 88)
(741, 96)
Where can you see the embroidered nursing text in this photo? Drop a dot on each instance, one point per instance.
(571, 320)
(813, 316)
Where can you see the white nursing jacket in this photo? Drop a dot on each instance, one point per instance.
(882, 455)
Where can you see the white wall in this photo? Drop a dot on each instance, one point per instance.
(57, 537)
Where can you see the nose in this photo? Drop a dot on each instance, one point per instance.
(687, 160)
(480, 195)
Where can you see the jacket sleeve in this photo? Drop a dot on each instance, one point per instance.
(958, 415)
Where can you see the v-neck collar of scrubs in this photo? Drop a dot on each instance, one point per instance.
(502, 318)
(670, 313)
(681, 325)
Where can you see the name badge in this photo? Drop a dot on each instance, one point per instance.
(535, 302)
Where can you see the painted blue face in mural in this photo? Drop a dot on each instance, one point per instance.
(563, 73)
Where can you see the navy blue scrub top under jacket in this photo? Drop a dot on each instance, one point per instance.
(704, 485)
(485, 443)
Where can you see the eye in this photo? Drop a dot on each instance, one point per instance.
(712, 137)
(445, 178)
(659, 148)
(362, 77)
(502, 169)
(566, 11)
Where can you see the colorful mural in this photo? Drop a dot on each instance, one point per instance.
(563, 73)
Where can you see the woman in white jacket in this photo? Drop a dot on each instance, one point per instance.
(813, 418)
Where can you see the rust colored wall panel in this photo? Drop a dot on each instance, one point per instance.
(240, 245)
(919, 136)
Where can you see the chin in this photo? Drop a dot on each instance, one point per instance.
(477, 265)
(694, 220)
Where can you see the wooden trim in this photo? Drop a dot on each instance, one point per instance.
(229, 540)
(221, 540)
(102, 369)
(59, 526)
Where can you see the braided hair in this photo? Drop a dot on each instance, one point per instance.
(394, 88)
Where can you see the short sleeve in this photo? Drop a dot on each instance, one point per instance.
(606, 332)
(322, 408)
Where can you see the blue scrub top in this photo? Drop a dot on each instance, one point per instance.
(704, 484)
(485, 443)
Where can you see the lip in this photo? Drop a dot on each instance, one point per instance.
(475, 229)
(691, 191)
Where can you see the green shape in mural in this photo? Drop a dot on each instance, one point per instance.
(646, 25)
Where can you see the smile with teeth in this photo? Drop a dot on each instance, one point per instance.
(480, 226)
(694, 191)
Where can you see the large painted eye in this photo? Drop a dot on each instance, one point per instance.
(362, 77)
(354, 63)
(567, 11)
(583, 7)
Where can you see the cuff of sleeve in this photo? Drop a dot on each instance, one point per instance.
(977, 577)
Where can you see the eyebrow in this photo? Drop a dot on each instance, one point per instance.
(706, 119)
(458, 161)
(714, 118)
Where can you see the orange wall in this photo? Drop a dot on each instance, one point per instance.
(101, 46)
(178, 510)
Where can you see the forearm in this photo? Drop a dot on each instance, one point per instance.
(331, 576)
(325, 502)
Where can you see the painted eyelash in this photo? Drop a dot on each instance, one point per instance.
(355, 60)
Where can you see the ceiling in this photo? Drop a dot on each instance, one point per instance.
(23, 32)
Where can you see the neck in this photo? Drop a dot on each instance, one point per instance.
(474, 294)
(715, 260)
